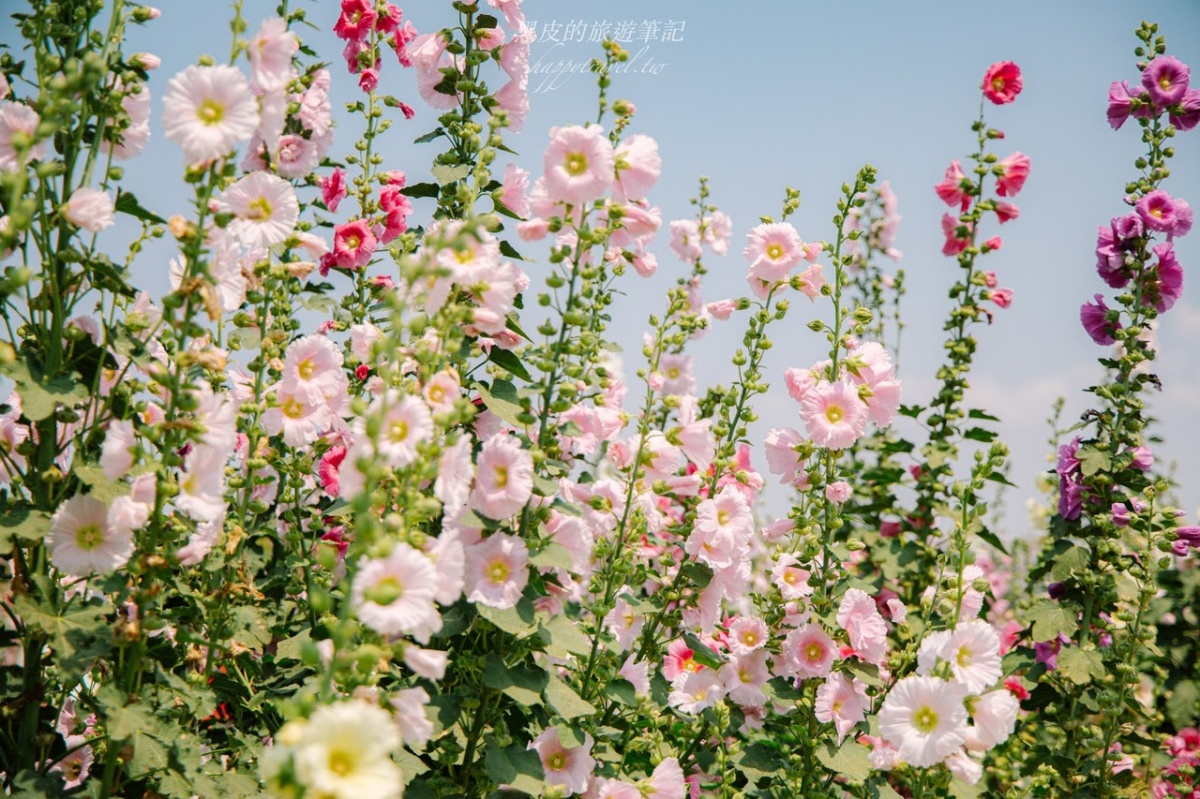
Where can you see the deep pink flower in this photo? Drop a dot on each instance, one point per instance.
(958, 235)
(356, 21)
(1120, 103)
(1002, 82)
(1166, 78)
(1094, 317)
(353, 244)
(1012, 174)
(951, 187)
(1164, 285)
(333, 189)
(1185, 114)
(368, 80)
(1157, 210)
(1002, 297)
(1006, 211)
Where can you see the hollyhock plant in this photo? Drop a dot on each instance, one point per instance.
(497, 571)
(568, 767)
(394, 595)
(833, 415)
(1002, 82)
(83, 542)
(950, 190)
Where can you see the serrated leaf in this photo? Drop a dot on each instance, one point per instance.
(1075, 560)
(565, 701)
(852, 760)
(39, 395)
(1050, 619)
(249, 628)
(509, 362)
(517, 620)
(79, 636)
(127, 203)
(1092, 460)
(758, 760)
(563, 634)
(24, 523)
(1080, 666)
(975, 413)
(524, 685)
(444, 173)
(501, 399)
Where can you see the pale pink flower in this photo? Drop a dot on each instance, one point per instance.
(578, 164)
(973, 651)
(568, 767)
(300, 421)
(677, 374)
(838, 492)
(842, 701)
(638, 166)
(722, 309)
(312, 368)
(208, 111)
(497, 570)
(90, 209)
(81, 540)
(18, 125)
(686, 241)
(924, 718)
(807, 652)
(427, 663)
(394, 595)
(637, 674)
(744, 676)
(270, 52)
(514, 190)
(504, 477)
(772, 250)
(126, 514)
(406, 425)
(513, 99)
(790, 578)
(867, 630)
(514, 16)
(296, 156)
(408, 710)
(76, 764)
(962, 766)
(833, 415)
(624, 622)
(316, 111)
(202, 485)
(695, 691)
(116, 455)
(264, 209)
(200, 543)
(995, 716)
(747, 634)
(810, 281)
(717, 231)
(722, 528)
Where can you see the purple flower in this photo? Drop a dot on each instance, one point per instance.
(1157, 210)
(1143, 458)
(1186, 538)
(1120, 103)
(1185, 114)
(1070, 485)
(1166, 79)
(1164, 284)
(1094, 317)
(1120, 514)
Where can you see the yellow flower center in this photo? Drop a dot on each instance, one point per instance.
(292, 409)
(673, 373)
(814, 651)
(963, 656)
(398, 432)
(210, 112)
(89, 537)
(341, 762)
(259, 209)
(497, 571)
(834, 414)
(352, 242)
(1156, 212)
(557, 761)
(925, 720)
(775, 251)
(576, 164)
(437, 395)
(1165, 81)
(306, 369)
(749, 638)
(501, 476)
(385, 592)
(997, 84)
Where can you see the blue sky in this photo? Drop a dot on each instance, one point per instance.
(762, 95)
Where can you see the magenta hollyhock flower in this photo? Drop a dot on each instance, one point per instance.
(1011, 174)
(1006, 211)
(1164, 285)
(1185, 114)
(1120, 103)
(1186, 538)
(1157, 209)
(353, 244)
(1094, 317)
(1002, 82)
(1166, 78)
(951, 187)
(958, 235)
(1183, 219)
(357, 19)
(333, 189)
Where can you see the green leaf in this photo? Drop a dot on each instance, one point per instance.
(852, 760)
(509, 362)
(421, 190)
(517, 620)
(563, 637)
(99, 486)
(430, 136)
(1183, 702)
(508, 251)
(622, 692)
(485, 22)
(291, 648)
(39, 395)
(445, 173)
(1075, 560)
(783, 690)
(759, 760)
(868, 673)
(127, 203)
(991, 539)
(524, 685)
(552, 556)
(1080, 666)
(701, 653)
(250, 630)
(501, 399)
(1050, 619)
(565, 701)
(569, 736)
(975, 413)
(979, 434)
(1092, 460)
(516, 766)
(24, 523)
(79, 637)
(999, 477)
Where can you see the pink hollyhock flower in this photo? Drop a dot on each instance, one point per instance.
(747, 634)
(427, 663)
(686, 241)
(1185, 114)
(791, 579)
(841, 701)
(679, 660)
(1166, 78)
(202, 490)
(264, 209)
(833, 415)
(208, 111)
(721, 310)
(963, 767)
(578, 164)
(677, 374)
(497, 571)
(270, 53)
(666, 781)
(859, 617)
(514, 17)
(798, 382)
(514, 190)
(958, 235)
(995, 717)
(1120, 103)
(504, 477)
(838, 492)
(356, 20)
(441, 390)
(743, 677)
(312, 368)
(406, 424)
(300, 421)
(408, 711)
(951, 188)
(296, 156)
(333, 189)
(131, 140)
(353, 245)
(1002, 297)
(1164, 285)
(116, 454)
(808, 652)
(1158, 210)
(924, 718)
(1002, 83)
(1095, 320)
(327, 470)
(18, 124)
(695, 692)
(396, 208)
(82, 541)
(1005, 212)
(368, 80)
(1011, 173)
(810, 281)
(782, 458)
(625, 623)
(90, 209)
(638, 166)
(394, 595)
(973, 652)
(455, 473)
(316, 110)
(75, 765)
(717, 231)
(568, 767)
(772, 250)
